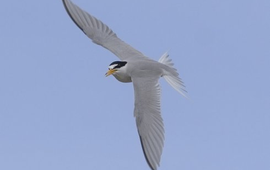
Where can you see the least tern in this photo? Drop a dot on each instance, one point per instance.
(139, 69)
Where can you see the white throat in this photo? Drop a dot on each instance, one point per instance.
(121, 75)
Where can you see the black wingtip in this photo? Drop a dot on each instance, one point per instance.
(65, 5)
(147, 160)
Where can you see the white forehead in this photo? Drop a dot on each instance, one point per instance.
(112, 66)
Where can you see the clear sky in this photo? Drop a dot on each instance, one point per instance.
(59, 112)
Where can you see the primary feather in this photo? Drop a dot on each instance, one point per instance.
(100, 33)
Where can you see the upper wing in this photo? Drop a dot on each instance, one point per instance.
(100, 33)
(148, 118)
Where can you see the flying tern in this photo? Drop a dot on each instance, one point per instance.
(142, 71)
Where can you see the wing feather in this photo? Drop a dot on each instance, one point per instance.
(100, 33)
(148, 118)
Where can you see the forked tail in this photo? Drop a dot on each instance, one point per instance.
(171, 75)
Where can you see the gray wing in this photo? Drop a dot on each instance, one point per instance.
(100, 33)
(148, 118)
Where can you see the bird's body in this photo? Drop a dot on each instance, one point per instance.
(142, 71)
(139, 69)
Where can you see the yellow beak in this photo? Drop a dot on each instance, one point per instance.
(111, 71)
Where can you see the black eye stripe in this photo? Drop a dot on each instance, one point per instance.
(118, 64)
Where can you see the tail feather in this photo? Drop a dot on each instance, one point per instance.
(171, 75)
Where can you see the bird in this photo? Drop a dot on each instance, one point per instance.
(139, 69)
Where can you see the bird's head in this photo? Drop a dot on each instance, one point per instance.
(115, 67)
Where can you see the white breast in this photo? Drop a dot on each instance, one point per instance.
(122, 78)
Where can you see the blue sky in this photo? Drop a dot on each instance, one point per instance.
(58, 111)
